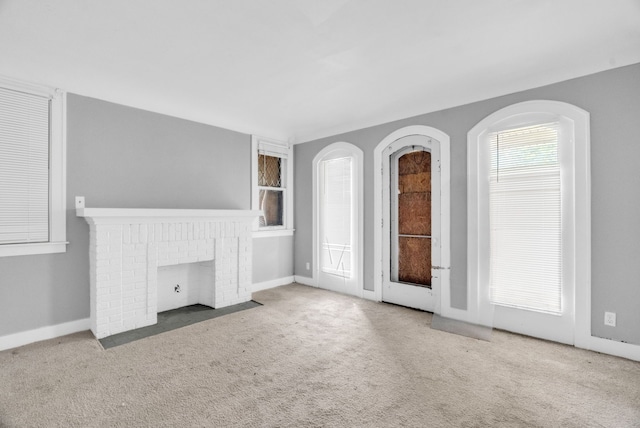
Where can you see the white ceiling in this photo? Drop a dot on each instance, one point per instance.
(298, 70)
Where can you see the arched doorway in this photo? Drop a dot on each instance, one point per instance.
(412, 213)
(338, 219)
(541, 246)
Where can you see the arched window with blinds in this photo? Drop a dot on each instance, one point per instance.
(336, 216)
(528, 220)
(525, 218)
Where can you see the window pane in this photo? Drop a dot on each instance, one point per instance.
(24, 167)
(525, 149)
(525, 219)
(269, 171)
(336, 217)
(271, 204)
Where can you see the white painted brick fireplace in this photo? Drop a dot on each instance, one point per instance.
(128, 245)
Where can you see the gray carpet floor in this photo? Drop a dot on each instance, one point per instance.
(312, 358)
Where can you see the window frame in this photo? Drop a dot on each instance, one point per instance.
(281, 188)
(575, 131)
(341, 149)
(57, 242)
(285, 152)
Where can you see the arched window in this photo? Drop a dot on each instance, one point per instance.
(528, 220)
(338, 218)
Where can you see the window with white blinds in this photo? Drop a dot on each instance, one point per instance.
(525, 218)
(336, 205)
(24, 167)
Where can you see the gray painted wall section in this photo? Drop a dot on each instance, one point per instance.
(613, 100)
(124, 157)
(120, 156)
(272, 258)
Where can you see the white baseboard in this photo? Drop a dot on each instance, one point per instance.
(305, 280)
(370, 295)
(43, 333)
(612, 347)
(265, 285)
(590, 343)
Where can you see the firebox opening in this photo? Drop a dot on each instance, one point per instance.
(183, 284)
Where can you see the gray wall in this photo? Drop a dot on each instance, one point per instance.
(124, 157)
(272, 258)
(613, 100)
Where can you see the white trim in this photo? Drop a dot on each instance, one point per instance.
(358, 245)
(285, 151)
(43, 333)
(272, 233)
(522, 114)
(611, 347)
(58, 165)
(160, 212)
(393, 291)
(7, 250)
(369, 295)
(305, 280)
(57, 172)
(265, 285)
(153, 215)
(443, 305)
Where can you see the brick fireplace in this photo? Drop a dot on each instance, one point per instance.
(128, 245)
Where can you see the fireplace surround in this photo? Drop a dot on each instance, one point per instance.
(127, 245)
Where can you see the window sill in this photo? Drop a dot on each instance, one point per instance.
(272, 233)
(8, 250)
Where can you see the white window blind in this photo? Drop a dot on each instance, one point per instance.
(276, 150)
(24, 167)
(525, 218)
(336, 217)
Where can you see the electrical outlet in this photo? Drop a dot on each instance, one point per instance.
(308, 266)
(610, 319)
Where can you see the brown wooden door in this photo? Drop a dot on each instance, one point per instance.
(414, 218)
(411, 222)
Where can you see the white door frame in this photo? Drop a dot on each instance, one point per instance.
(442, 302)
(358, 247)
(393, 290)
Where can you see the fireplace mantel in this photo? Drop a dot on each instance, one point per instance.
(159, 215)
(128, 245)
